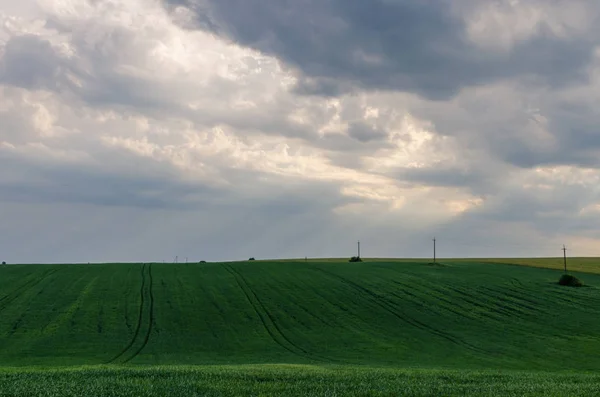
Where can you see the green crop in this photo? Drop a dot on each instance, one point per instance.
(380, 327)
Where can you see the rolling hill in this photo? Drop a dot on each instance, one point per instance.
(376, 315)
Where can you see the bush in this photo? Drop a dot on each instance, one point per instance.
(4, 263)
(251, 259)
(355, 259)
(570, 281)
(202, 261)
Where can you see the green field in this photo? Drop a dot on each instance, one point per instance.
(381, 327)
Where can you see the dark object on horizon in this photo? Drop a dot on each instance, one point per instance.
(202, 261)
(355, 259)
(570, 281)
(4, 263)
(436, 264)
(251, 259)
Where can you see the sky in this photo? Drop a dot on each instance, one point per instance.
(142, 130)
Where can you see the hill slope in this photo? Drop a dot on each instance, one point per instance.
(464, 315)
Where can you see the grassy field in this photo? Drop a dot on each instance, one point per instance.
(281, 327)
(575, 264)
(290, 380)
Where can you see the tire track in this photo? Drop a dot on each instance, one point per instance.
(497, 304)
(496, 312)
(150, 317)
(273, 329)
(391, 308)
(242, 284)
(520, 288)
(522, 293)
(519, 303)
(486, 302)
(68, 312)
(446, 306)
(307, 311)
(22, 289)
(138, 327)
(485, 299)
(561, 299)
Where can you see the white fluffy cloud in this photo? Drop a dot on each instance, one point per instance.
(126, 133)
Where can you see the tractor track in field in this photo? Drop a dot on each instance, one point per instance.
(308, 312)
(243, 286)
(508, 302)
(486, 303)
(417, 300)
(520, 292)
(17, 292)
(391, 308)
(136, 333)
(344, 309)
(494, 302)
(518, 287)
(520, 304)
(265, 317)
(150, 317)
(557, 294)
(561, 299)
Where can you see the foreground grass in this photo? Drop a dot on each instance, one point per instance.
(285, 380)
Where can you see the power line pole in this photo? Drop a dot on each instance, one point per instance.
(434, 250)
(359, 249)
(564, 249)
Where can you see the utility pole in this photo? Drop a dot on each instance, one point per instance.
(434, 250)
(359, 249)
(564, 249)
(176, 257)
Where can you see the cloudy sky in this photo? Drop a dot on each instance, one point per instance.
(138, 130)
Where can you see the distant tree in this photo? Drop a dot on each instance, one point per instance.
(202, 261)
(355, 259)
(4, 263)
(251, 259)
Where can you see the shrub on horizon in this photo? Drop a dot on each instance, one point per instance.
(570, 281)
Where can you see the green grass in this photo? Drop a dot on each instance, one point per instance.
(576, 264)
(280, 327)
(288, 380)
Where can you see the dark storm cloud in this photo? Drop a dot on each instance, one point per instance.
(30, 62)
(570, 154)
(445, 177)
(408, 45)
(33, 181)
(365, 133)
